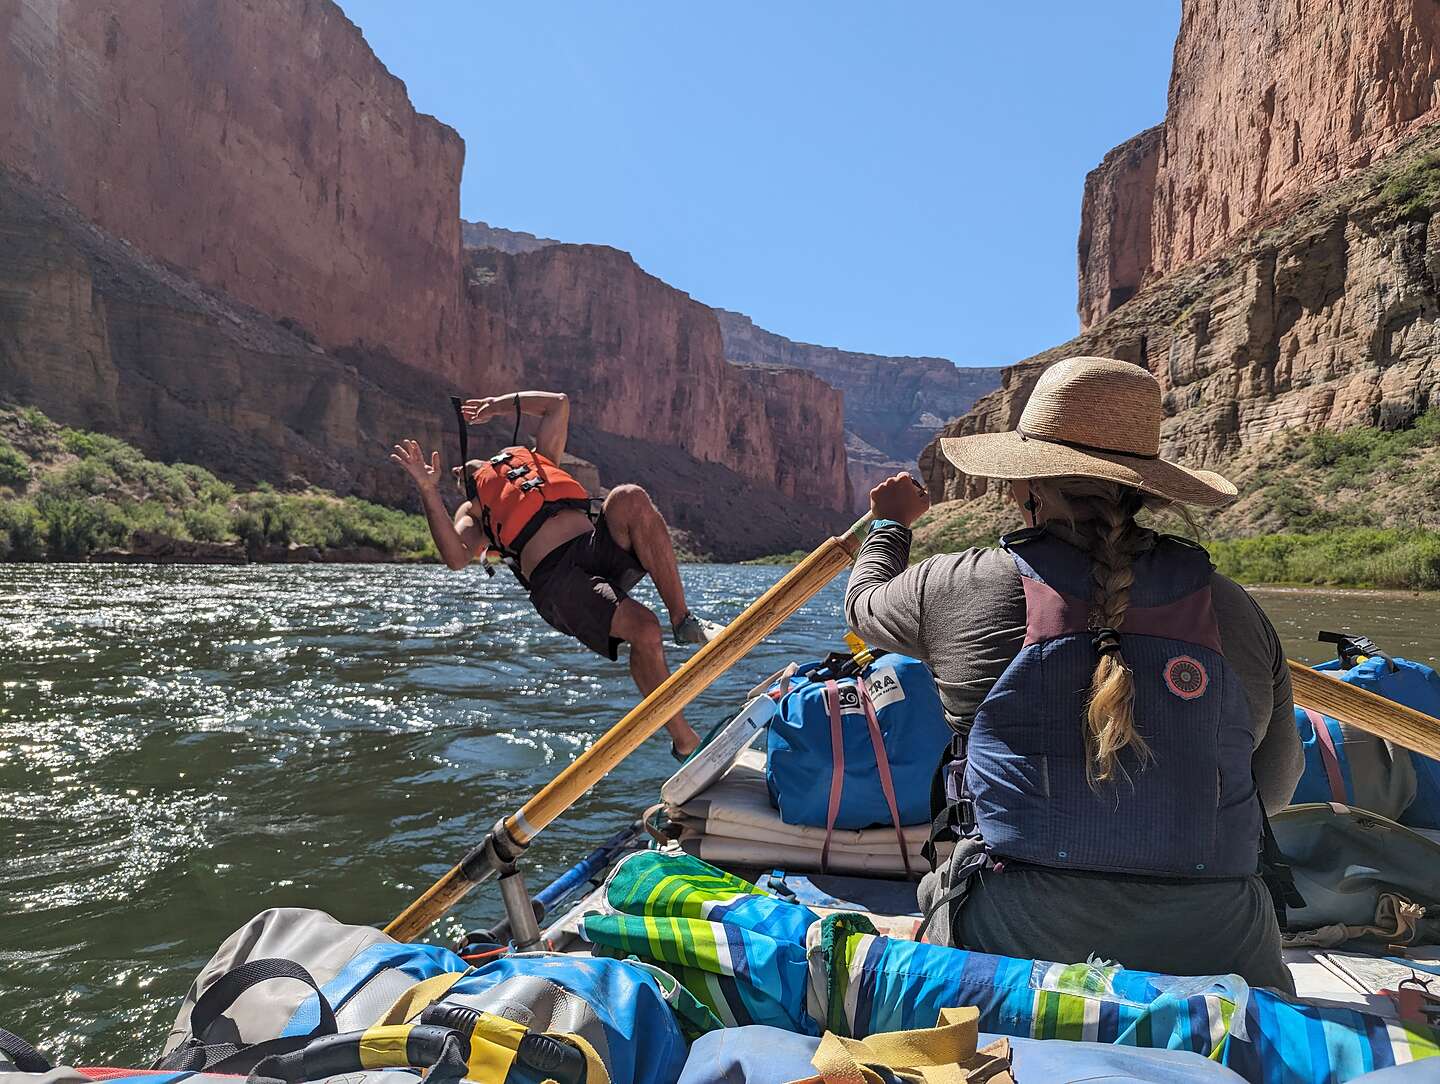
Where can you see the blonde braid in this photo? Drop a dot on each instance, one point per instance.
(1110, 713)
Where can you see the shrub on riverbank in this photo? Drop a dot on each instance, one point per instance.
(66, 494)
(1358, 557)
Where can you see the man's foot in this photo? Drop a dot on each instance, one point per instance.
(696, 630)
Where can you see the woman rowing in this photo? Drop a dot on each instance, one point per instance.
(1123, 712)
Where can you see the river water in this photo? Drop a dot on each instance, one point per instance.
(181, 748)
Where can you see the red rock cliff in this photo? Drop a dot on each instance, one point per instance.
(259, 146)
(641, 359)
(1269, 99)
(1115, 225)
(1326, 320)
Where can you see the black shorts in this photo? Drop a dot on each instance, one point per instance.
(578, 585)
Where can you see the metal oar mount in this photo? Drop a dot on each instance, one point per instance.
(507, 841)
(1361, 708)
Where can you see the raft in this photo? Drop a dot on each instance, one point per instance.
(704, 943)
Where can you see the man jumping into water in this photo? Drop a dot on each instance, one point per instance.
(523, 507)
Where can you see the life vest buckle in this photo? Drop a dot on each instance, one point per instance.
(501, 458)
(517, 472)
(533, 483)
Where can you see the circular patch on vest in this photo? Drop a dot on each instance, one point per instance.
(1186, 678)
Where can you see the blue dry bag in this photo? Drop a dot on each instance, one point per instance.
(1333, 773)
(802, 762)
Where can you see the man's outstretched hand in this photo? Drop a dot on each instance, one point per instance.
(476, 411)
(408, 454)
(900, 498)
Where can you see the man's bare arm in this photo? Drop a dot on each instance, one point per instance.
(551, 407)
(458, 540)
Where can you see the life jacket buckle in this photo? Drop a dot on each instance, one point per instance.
(517, 472)
(533, 483)
(501, 458)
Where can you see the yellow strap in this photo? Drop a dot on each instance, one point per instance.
(492, 1048)
(595, 1071)
(944, 1054)
(420, 997)
(384, 1046)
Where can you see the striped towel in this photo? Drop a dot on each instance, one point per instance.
(754, 959)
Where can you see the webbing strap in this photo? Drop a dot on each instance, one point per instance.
(196, 1055)
(882, 761)
(233, 983)
(955, 893)
(1325, 741)
(458, 404)
(21, 1054)
(837, 768)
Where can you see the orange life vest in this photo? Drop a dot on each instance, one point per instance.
(517, 491)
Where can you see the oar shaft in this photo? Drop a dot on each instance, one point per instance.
(1361, 708)
(760, 618)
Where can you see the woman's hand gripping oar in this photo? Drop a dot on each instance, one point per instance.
(1366, 710)
(509, 838)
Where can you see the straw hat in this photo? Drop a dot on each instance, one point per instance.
(1091, 418)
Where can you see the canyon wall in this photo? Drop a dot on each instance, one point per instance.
(1115, 225)
(1328, 319)
(1269, 99)
(484, 235)
(261, 147)
(642, 359)
(893, 405)
(99, 336)
(258, 154)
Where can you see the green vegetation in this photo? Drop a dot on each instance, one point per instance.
(67, 493)
(14, 467)
(1353, 557)
(947, 529)
(1357, 507)
(794, 557)
(1413, 192)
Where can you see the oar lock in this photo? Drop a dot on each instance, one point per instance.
(499, 853)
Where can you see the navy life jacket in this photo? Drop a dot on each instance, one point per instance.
(1192, 810)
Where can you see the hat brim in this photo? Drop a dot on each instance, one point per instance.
(1010, 456)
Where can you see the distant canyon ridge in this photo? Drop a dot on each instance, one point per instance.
(893, 406)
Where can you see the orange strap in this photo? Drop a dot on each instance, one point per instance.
(1328, 756)
(837, 769)
(882, 761)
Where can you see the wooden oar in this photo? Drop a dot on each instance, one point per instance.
(762, 617)
(1359, 707)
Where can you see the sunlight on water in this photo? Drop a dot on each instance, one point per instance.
(183, 747)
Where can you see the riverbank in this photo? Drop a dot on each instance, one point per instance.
(73, 495)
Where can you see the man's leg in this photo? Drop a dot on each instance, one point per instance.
(640, 628)
(637, 525)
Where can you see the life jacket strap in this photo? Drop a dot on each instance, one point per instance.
(471, 492)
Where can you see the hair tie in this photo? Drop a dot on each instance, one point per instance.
(1106, 641)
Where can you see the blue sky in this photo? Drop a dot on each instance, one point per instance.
(898, 178)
